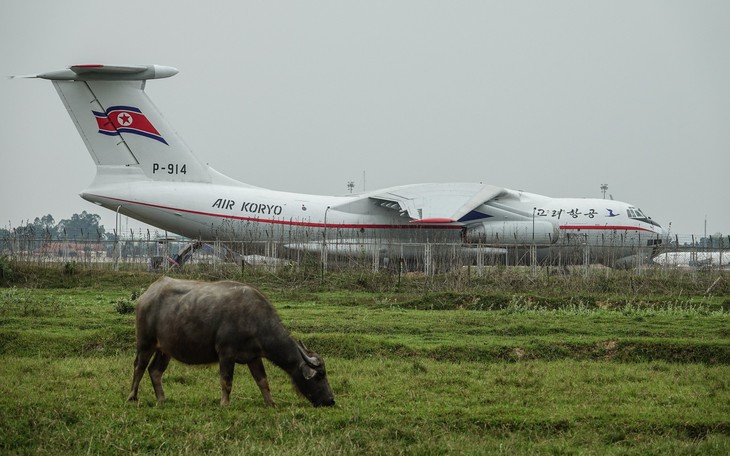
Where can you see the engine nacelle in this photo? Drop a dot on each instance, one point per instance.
(513, 233)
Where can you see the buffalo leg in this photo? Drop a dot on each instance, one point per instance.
(140, 364)
(259, 374)
(226, 373)
(156, 369)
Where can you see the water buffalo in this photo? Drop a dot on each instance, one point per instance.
(225, 322)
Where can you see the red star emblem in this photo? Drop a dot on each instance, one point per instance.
(124, 119)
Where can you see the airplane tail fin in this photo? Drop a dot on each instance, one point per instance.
(123, 130)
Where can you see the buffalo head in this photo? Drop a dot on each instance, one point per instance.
(311, 378)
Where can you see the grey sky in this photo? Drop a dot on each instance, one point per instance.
(552, 97)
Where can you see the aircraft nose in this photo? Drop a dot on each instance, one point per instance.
(657, 228)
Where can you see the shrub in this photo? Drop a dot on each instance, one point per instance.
(6, 269)
(124, 306)
(69, 268)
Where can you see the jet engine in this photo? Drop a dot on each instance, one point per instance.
(513, 233)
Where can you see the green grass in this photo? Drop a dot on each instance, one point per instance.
(415, 370)
(402, 405)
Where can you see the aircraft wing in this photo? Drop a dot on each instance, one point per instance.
(436, 203)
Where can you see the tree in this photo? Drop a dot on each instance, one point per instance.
(45, 226)
(81, 226)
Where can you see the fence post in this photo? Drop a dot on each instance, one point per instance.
(533, 260)
(427, 259)
(480, 261)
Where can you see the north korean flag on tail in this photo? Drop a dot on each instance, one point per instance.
(126, 119)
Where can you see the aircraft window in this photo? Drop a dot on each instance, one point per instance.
(635, 213)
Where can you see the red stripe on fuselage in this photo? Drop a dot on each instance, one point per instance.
(605, 228)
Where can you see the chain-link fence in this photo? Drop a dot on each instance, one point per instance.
(158, 251)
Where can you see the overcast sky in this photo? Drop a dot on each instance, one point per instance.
(553, 97)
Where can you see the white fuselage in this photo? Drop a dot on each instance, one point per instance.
(239, 212)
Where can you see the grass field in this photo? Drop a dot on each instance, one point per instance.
(506, 365)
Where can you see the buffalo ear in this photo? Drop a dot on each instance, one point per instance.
(308, 372)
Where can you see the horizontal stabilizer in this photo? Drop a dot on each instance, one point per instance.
(98, 72)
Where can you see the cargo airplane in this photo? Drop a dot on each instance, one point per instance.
(146, 171)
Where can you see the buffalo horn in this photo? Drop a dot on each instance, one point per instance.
(311, 360)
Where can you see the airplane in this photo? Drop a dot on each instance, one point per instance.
(145, 171)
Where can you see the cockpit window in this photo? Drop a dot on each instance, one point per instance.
(635, 213)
